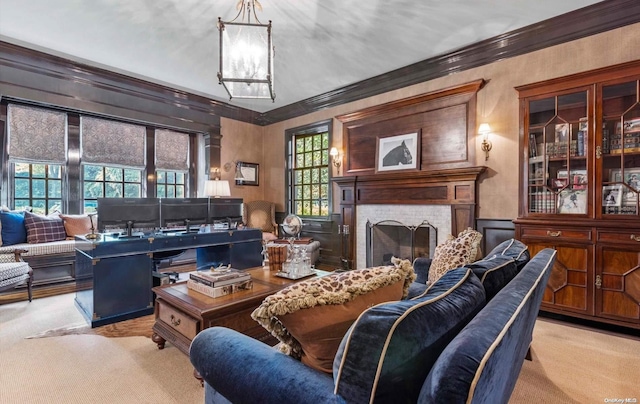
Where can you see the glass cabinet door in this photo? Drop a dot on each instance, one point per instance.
(557, 149)
(620, 148)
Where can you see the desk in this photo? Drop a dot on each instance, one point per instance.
(116, 275)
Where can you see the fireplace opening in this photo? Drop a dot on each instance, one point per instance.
(391, 238)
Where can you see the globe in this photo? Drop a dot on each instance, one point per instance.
(292, 225)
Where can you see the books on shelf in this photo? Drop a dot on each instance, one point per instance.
(219, 290)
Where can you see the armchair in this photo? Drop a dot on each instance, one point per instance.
(13, 270)
(261, 215)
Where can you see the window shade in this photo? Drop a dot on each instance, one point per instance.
(37, 134)
(108, 142)
(172, 150)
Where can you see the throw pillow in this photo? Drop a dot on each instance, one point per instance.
(78, 225)
(311, 317)
(13, 230)
(454, 253)
(43, 229)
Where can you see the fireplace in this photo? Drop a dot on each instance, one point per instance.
(391, 238)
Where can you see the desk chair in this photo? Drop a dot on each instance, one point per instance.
(13, 270)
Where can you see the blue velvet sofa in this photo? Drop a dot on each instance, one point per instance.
(400, 352)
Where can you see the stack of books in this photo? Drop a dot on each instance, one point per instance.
(219, 283)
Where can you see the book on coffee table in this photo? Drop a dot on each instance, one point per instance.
(220, 290)
(213, 279)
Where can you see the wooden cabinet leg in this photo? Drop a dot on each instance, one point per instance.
(158, 340)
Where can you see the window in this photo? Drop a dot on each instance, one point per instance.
(109, 182)
(309, 170)
(38, 186)
(170, 184)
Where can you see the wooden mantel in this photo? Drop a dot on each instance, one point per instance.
(456, 187)
(444, 187)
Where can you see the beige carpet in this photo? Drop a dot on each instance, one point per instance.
(82, 365)
(86, 368)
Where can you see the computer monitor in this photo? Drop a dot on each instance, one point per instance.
(224, 208)
(129, 213)
(225, 213)
(184, 212)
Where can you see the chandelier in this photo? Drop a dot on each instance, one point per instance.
(246, 54)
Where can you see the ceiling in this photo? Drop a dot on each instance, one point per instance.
(320, 45)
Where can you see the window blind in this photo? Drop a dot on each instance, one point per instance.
(37, 134)
(114, 143)
(172, 150)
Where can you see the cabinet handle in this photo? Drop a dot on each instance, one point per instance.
(635, 238)
(174, 322)
(598, 281)
(598, 152)
(554, 233)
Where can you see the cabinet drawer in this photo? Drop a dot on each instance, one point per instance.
(628, 237)
(557, 233)
(177, 320)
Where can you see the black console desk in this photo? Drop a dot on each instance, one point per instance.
(114, 275)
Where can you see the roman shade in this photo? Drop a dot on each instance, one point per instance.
(172, 150)
(37, 134)
(107, 142)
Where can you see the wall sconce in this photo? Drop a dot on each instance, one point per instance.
(337, 157)
(214, 173)
(238, 168)
(486, 145)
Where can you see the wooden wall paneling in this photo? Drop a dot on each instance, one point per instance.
(72, 180)
(4, 157)
(463, 216)
(494, 232)
(445, 119)
(150, 180)
(50, 80)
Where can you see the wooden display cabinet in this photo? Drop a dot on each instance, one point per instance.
(579, 190)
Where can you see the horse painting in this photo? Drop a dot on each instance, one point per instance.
(399, 155)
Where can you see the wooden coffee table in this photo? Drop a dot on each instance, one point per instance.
(182, 313)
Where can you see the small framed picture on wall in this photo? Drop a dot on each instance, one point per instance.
(247, 173)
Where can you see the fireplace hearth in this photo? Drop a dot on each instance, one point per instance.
(392, 238)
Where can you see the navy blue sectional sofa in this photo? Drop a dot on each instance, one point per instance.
(444, 343)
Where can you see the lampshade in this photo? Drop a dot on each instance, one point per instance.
(484, 129)
(246, 56)
(217, 188)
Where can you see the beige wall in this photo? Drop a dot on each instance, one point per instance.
(242, 142)
(497, 105)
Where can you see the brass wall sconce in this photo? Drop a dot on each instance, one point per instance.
(337, 157)
(486, 145)
(237, 165)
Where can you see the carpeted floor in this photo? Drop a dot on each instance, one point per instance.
(50, 355)
(98, 365)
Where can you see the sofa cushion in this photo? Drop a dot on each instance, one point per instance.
(311, 317)
(454, 253)
(43, 229)
(78, 225)
(494, 272)
(13, 230)
(65, 247)
(482, 363)
(512, 248)
(388, 351)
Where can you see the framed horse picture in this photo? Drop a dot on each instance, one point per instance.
(399, 152)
